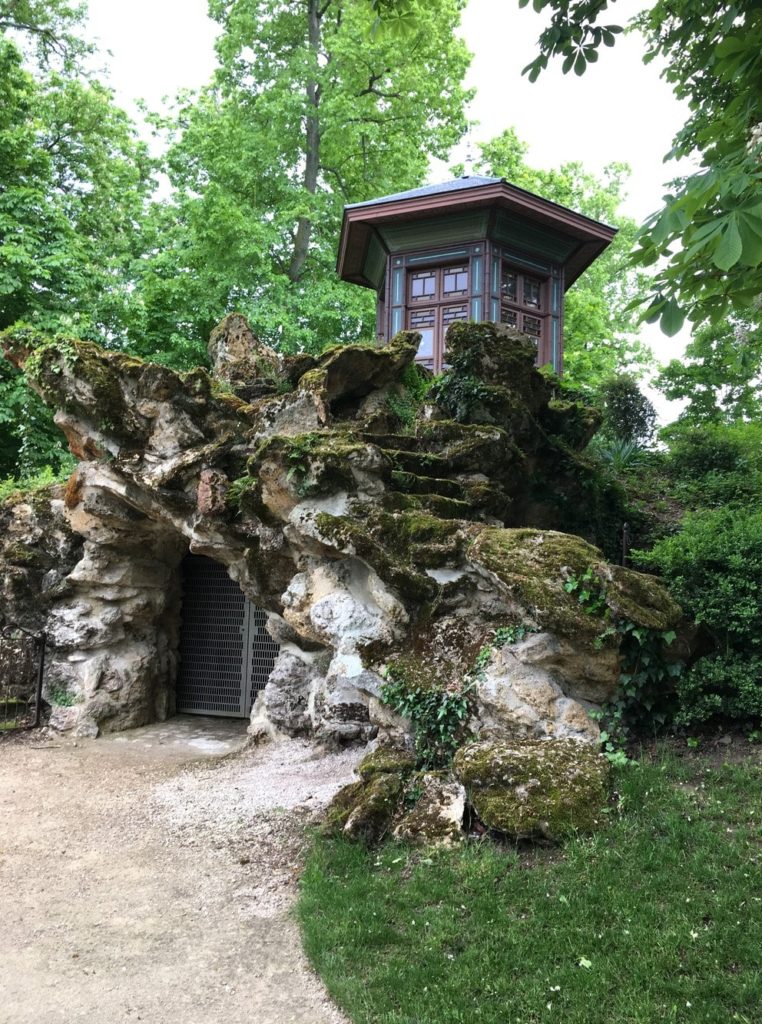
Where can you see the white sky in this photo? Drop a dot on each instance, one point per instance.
(619, 110)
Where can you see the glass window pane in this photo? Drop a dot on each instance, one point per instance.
(532, 326)
(508, 316)
(510, 285)
(422, 284)
(452, 313)
(421, 318)
(454, 280)
(426, 348)
(532, 292)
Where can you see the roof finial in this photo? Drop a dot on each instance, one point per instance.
(468, 168)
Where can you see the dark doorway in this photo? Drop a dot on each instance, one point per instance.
(226, 653)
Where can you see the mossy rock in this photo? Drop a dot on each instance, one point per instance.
(364, 810)
(436, 819)
(533, 565)
(575, 422)
(535, 789)
(641, 598)
(341, 807)
(386, 759)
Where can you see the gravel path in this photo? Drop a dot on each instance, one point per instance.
(137, 886)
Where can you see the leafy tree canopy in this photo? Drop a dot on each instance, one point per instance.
(600, 331)
(705, 244)
(74, 184)
(300, 119)
(48, 31)
(720, 377)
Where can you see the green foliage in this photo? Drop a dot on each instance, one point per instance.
(511, 635)
(720, 376)
(438, 714)
(644, 699)
(714, 567)
(457, 394)
(74, 183)
(705, 244)
(590, 592)
(616, 456)
(239, 489)
(600, 332)
(492, 935)
(721, 686)
(406, 405)
(13, 488)
(47, 30)
(627, 414)
(307, 111)
(714, 465)
(61, 697)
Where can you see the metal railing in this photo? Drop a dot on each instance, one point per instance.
(22, 666)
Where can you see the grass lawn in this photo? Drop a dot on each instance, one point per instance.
(656, 919)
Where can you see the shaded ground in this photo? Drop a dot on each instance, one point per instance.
(150, 876)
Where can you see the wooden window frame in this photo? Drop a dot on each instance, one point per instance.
(522, 309)
(438, 303)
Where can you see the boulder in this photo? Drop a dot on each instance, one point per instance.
(535, 789)
(365, 810)
(437, 817)
(386, 759)
(514, 698)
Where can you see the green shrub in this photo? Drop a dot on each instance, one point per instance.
(714, 570)
(723, 685)
(716, 464)
(627, 414)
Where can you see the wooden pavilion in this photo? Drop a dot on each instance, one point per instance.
(474, 248)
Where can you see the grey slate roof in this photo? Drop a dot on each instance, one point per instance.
(455, 185)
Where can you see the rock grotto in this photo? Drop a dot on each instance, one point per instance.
(380, 535)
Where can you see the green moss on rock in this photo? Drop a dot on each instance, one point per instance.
(386, 759)
(641, 598)
(535, 789)
(341, 807)
(436, 817)
(364, 811)
(534, 565)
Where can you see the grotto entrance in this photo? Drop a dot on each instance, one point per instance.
(226, 653)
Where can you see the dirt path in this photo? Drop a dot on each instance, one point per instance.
(136, 886)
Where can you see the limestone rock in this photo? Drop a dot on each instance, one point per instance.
(239, 357)
(386, 759)
(437, 817)
(535, 789)
(516, 699)
(287, 693)
(363, 541)
(364, 810)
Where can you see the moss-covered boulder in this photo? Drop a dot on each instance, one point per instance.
(364, 810)
(535, 789)
(386, 759)
(436, 818)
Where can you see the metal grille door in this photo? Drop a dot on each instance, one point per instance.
(226, 653)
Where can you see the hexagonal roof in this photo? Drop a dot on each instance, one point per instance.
(468, 204)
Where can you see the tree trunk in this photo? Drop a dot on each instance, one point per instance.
(312, 148)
